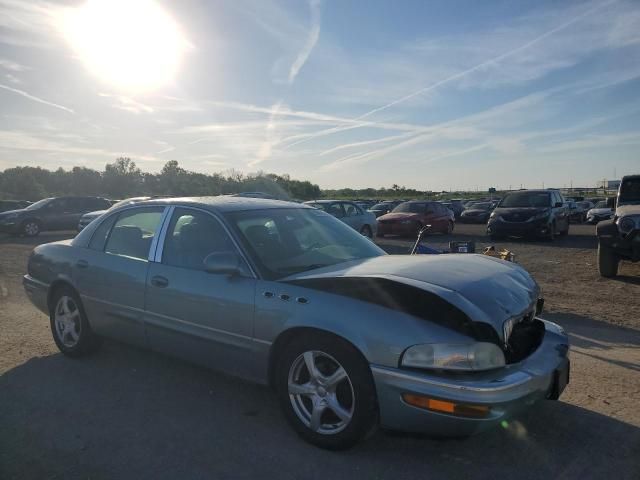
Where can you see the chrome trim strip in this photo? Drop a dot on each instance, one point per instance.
(159, 230)
(499, 387)
(159, 245)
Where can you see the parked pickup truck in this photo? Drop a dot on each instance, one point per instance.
(619, 237)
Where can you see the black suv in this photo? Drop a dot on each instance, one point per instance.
(529, 213)
(619, 237)
(61, 213)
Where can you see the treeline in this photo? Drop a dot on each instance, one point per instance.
(123, 178)
(395, 192)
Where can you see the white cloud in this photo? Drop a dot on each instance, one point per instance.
(312, 39)
(33, 98)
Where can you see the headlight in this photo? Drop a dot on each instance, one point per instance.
(541, 216)
(447, 356)
(626, 224)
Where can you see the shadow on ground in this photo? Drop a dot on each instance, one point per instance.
(127, 413)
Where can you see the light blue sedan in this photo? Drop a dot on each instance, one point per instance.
(284, 294)
(351, 213)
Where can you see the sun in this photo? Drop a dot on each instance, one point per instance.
(131, 44)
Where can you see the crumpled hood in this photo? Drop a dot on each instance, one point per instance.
(487, 289)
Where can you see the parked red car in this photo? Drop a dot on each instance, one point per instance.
(408, 218)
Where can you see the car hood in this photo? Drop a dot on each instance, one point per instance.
(599, 211)
(399, 216)
(474, 211)
(527, 210)
(10, 212)
(95, 214)
(486, 289)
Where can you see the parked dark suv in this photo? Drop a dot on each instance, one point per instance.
(61, 213)
(529, 213)
(619, 237)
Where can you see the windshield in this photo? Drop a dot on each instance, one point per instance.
(410, 207)
(526, 199)
(381, 206)
(479, 206)
(630, 192)
(39, 204)
(290, 240)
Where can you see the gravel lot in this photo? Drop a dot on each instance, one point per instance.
(128, 413)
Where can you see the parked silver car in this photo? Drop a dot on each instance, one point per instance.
(89, 217)
(350, 213)
(286, 295)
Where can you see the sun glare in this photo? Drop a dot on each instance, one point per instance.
(132, 44)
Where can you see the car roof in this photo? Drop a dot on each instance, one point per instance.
(329, 201)
(221, 203)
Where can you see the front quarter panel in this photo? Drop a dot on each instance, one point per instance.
(381, 334)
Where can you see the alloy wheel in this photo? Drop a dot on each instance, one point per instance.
(67, 321)
(31, 229)
(321, 392)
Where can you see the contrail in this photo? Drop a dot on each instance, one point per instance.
(459, 74)
(35, 99)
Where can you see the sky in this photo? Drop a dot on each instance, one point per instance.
(434, 95)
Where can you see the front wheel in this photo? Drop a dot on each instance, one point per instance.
(608, 262)
(326, 390)
(31, 228)
(69, 326)
(366, 231)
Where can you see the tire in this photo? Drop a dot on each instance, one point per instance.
(366, 231)
(31, 228)
(551, 236)
(69, 325)
(449, 229)
(608, 261)
(353, 397)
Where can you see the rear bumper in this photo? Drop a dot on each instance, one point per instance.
(506, 392)
(37, 292)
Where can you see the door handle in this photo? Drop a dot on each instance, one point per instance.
(159, 281)
(82, 264)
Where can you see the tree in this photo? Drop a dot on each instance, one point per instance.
(122, 178)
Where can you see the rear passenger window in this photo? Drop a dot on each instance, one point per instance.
(133, 232)
(100, 235)
(194, 235)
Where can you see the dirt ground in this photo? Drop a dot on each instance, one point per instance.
(128, 413)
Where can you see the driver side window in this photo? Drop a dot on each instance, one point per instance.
(191, 237)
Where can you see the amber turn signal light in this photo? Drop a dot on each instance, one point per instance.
(445, 406)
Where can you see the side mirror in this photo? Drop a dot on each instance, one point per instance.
(559, 204)
(611, 203)
(226, 263)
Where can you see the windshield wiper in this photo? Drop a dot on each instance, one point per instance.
(302, 268)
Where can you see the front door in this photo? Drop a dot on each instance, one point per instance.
(191, 313)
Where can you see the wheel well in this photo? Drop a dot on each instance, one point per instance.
(54, 287)
(287, 336)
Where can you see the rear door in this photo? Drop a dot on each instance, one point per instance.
(352, 215)
(204, 317)
(111, 274)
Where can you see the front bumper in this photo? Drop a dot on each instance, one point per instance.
(397, 228)
(627, 247)
(37, 292)
(9, 226)
(538, 228)
(506, 391)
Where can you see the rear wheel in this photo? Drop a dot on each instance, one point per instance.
(608, 261)
(31, 228)
(69, 326)
(326, 391)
